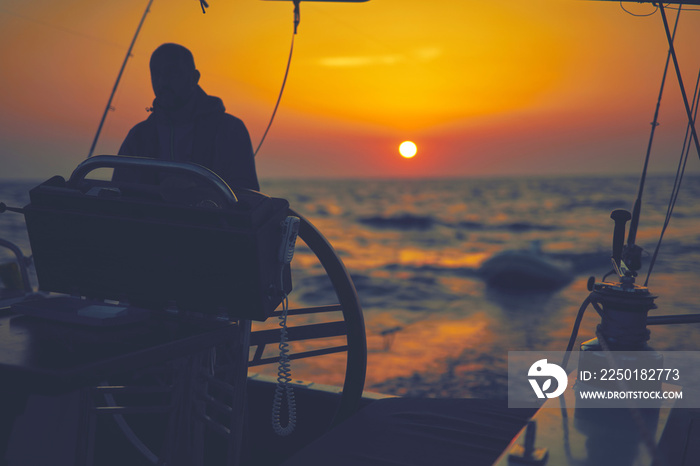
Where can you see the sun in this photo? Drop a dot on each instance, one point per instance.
(407, 149)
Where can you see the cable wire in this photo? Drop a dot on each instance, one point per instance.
(635, 14)
(686, 103)
(634, 224)
(297, 18)
(119, 77)
(680, 171)
(691, 134)
(284, 372)
(284, 377)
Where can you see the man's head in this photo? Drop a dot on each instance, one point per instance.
(173, 75)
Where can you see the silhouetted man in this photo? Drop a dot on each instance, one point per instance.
(187, 125)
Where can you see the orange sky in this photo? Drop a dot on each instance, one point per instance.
(483, 88)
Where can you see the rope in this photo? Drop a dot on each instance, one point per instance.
(626, 329)
(574, 330)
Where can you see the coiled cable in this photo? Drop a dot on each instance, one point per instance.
(284, 377)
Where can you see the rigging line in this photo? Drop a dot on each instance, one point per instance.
(119, 77)
(635, 14)
(279, 98)
(670, 7)
(688, 111)
(286, 73)
(636, 210)
(680, 171)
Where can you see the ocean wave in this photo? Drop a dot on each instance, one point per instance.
(471, 225)
(515, 227)
(458, 271)
(580, 263)
(602, 205)
(400, 222)
(584, 262)
(413, 293)
(527, 226)
(318, 290)
(426, 222)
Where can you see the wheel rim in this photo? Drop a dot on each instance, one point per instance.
(356, 363)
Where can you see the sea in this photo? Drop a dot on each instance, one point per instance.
(414, 248)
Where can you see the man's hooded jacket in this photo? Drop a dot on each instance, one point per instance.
(201, 132)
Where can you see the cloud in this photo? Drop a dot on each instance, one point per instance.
(422, 54)
(348, 62)
(427, 53)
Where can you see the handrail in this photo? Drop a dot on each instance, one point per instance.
(122, 161)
